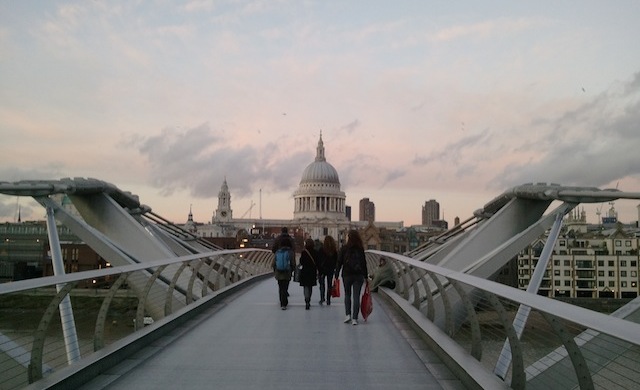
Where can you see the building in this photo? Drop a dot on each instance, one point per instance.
(25, 252)
(319, 209)
(367, 210)
(319, 203)
(430, 212)
(588, 261)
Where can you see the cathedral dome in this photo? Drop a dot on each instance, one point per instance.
(320, 171)
(318, 196)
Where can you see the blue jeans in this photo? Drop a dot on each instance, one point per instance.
(352, 288)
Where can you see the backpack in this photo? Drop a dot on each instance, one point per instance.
(353, 261)
(283, 259)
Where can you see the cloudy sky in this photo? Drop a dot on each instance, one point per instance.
(416, 100)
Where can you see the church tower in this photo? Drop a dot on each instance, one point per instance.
(223, 212)
(190, 226)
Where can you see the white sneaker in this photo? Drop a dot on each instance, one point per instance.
(347, 319)
(354, 322)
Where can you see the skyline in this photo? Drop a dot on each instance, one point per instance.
(415, 101)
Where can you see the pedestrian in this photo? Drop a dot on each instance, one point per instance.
(383, 276)
(352, 262)
(284, 245)
(328, 258)
(309, 271)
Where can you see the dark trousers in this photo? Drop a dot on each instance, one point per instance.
(307, 290)
(352, 288)
(325, 282)
(283, 292)
(388, 284)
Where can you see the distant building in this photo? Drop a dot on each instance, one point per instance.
(319, 210)
(588, 261)
(367, 210)
(430, 212)
(319, 203)
(25, 252)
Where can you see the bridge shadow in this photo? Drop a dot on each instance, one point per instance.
(247, 342)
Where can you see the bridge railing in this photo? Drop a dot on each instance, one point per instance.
(49, 323)
(549, 343)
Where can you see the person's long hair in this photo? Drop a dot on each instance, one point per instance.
(354, 240)
(329, 246)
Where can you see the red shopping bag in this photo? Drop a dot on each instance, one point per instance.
(335, 290)
(366, 304)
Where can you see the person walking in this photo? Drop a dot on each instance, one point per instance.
(352, 262)
(309, 271)
(285, 242)
(327, 267)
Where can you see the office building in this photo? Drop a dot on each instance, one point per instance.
(367, 210)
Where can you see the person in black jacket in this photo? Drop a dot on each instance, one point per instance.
(328, 258)
(352, 262)
(309, 271)
(284, 240)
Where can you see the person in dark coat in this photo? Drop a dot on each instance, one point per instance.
(352, 262)
(284, 240)
(309, 271)
(327, 267)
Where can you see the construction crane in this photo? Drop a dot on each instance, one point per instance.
(249, 210)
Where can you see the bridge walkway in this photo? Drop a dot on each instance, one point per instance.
(248, 342)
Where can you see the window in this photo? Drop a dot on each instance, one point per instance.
(611, 263)
(556, 272)
(567, 263)
(567, 283)
(562, 243)
(623, 284)
(611, 274)
(623, 263)
(634, 274)
(623, 274)
(600, 263)
(567, 272)
(600, 283)
(600, 273)
(618, 243)
(556, 263)
(612, 283)
(634, 263)
(627, 243)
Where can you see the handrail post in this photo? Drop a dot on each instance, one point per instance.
(66, 311)
(502, 365)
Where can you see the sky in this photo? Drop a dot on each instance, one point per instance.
(416, 100)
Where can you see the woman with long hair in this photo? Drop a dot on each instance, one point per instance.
(351, 261)
(327, 267)
(309, 271)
